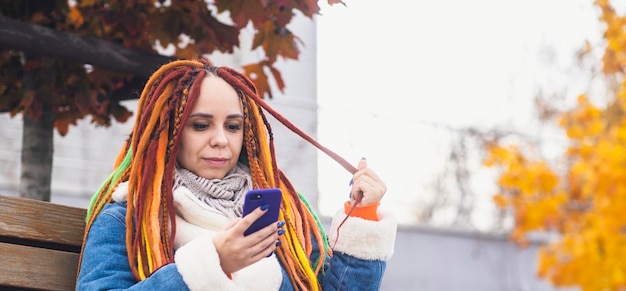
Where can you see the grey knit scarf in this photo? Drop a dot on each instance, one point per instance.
(224, 195)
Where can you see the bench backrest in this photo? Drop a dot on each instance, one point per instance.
(39, 244)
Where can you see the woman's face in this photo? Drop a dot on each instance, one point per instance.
(213, 135)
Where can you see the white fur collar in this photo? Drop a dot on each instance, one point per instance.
(196, 258)
(195, 255)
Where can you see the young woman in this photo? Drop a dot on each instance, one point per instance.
(169, 217)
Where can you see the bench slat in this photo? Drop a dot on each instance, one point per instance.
(36, 268)
(41, 221)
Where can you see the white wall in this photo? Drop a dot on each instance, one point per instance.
(428, 259)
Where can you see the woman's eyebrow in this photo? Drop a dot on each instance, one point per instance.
(236, 115)
(207, 115)
(203, 115)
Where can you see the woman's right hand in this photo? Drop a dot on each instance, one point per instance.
(237, 251)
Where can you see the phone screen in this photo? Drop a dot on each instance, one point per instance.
(257, 197)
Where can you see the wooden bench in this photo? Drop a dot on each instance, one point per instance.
(39, 244)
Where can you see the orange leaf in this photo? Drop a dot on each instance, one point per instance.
(331, 2)
(62, 125)
(283, 16)
(188, 52)
(75, 17)
(27, 100)
(278, 78)
(311, 8)
(500, 200)
(242, 11)
(87, 3)
(120, 112)
(38, 18)
(276, 41)
(35, 109)
(257, 75)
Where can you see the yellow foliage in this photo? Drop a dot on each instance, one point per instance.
(583, 204)
(500, 200)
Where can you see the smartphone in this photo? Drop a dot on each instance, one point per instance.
(257, 197)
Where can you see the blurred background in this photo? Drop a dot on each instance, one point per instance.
(496, 124)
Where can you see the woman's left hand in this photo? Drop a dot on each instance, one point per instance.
(237, 251)
(366, 185)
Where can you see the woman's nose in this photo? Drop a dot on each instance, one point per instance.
(218, 138)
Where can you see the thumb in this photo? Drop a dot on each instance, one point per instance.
(362, 164)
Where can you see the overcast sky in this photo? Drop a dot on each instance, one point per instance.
(395, 76)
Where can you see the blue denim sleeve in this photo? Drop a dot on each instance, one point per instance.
(105, 263)
(346, 273)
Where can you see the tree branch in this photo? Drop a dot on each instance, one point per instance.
(37, 40)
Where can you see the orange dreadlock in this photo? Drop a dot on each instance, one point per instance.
(147, 162)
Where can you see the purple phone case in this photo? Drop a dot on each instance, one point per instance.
(257, 197)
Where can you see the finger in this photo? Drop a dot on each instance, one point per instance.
(370, 189)
(366, 184)
(363, 170)
(355, 192)
(265, 248)
(232, 223)
(265, 242)
(366, 172)
(272, 231)
(247, 221)
(370, 173)
(362, 164)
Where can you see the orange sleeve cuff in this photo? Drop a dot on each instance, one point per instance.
(369, 212)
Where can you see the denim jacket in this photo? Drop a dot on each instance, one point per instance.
(358, 261)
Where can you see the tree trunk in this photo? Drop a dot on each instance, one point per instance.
(37, 149)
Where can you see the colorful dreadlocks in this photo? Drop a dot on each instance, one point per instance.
(147, 162)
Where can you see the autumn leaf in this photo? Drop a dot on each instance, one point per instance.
(500, 200)
(216, 35)
(27, 100)
(134, 26)
(257, 75)
(278, 78)
(82, 103)
(87, 3)
(62, 125)
(34, 109)
(120, 112)
(188, 52)
(75, 17)
(283, 15)
(243, 11)
(335, 2)
(310, 8)
(276, 41)
(167, 26)
(39, 18)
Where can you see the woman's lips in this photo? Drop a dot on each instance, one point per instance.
(216, 162)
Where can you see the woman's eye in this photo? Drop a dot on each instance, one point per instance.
(233, 127)
(200, 126)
